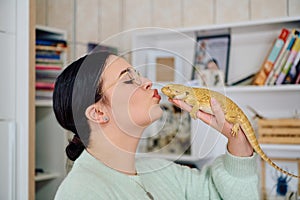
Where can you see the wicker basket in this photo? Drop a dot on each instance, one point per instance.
(279, 131)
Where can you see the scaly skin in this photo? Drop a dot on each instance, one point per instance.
(199, 99)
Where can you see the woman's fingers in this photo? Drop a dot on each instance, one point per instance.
(218, 113)
(181, 104)
(205, 117)
(215, 120)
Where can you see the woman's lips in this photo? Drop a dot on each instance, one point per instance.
(156, 95)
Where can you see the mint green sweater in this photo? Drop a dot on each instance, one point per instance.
(229, 177)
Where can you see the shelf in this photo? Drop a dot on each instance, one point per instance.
(45, 176)
(247, 88)
(161, 31)
(43, 103)
(48, 133)
(282, 147)
(52, 31)
(242, 89)
(250, 42)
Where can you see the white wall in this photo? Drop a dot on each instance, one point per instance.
(97, 20)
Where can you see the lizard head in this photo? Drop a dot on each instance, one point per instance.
(176, 91)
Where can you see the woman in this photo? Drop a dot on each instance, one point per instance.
(107, 105)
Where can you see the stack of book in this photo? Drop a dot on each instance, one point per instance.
(49, 64)
(282, 64)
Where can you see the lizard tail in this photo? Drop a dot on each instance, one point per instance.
(268, 160)
(262, 154)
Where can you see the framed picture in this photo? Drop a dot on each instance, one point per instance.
(211, 53)
(276, 185)
(164, 67)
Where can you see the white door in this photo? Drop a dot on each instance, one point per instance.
(7, 16)
(7, 76)
(7, 157)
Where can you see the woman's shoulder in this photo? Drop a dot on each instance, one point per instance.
(81, 182)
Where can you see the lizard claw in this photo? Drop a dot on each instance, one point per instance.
(235, 129)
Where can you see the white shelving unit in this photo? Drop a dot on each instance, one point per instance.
(250, 42)
(50, 137)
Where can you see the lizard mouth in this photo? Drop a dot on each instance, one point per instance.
(168, 92)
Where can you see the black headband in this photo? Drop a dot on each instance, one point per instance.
(85, 89)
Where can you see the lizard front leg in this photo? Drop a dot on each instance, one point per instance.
(195, 107)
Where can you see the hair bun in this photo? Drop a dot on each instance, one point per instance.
(74, 148)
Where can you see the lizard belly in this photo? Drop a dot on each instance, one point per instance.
(206, 109)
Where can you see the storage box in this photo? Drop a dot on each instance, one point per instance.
(279, 131)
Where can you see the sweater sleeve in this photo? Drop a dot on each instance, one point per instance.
(229, 178)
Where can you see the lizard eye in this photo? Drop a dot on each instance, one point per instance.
(187, 93)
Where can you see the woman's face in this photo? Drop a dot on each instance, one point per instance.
(133, 103)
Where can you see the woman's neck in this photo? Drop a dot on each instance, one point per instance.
(115, 149)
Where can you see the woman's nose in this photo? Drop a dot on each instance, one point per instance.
(147, 84)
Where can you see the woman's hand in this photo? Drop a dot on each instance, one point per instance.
(238, 145)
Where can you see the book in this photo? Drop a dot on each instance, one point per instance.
(51, 42)
(46, 80)
(50, 48)
(289, 62)
(298, 79)
(281, 62)
(282, 57)
(292, 75)
(49, 61)
(44, 85)
(297, 73)
(47, 67)
(47, 73)
(43, 94)
(268, 64)
(48, 56)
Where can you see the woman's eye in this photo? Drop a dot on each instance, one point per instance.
(129, 81)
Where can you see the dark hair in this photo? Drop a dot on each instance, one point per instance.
(212, 60)
(76, 88)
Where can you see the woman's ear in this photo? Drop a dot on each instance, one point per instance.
(94, 114)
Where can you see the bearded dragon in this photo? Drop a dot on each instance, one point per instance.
(199, 99)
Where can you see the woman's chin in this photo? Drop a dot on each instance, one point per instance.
(155, 113)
